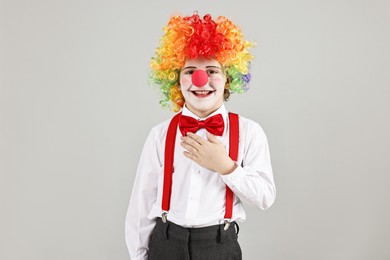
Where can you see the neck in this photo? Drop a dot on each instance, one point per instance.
(201, 114)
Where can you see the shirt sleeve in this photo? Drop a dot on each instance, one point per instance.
(253, 181)
(138, 227)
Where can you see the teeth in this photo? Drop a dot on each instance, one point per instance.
(202, 92)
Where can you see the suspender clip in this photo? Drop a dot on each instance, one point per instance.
(227, 224)
(164, 217)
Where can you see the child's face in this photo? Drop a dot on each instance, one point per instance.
(204, 100)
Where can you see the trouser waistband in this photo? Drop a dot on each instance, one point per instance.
(216, 232)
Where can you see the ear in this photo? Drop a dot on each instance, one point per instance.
(227, 82)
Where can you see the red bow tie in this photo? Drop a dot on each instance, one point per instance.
(213, 124)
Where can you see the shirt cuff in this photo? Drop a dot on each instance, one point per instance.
(234, 178)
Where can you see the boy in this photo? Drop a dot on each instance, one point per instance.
(190, 184)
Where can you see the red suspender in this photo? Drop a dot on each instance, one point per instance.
(169, 156)
(168, 161)
(233, 153)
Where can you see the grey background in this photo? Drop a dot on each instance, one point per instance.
(75, 109)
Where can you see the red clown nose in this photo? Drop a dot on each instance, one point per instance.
(200, 78)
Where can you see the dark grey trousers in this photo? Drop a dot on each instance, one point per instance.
(173, 242)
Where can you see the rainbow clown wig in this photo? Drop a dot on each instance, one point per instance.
(190, 37)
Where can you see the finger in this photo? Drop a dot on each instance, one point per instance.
(196, 137)
(189, 148)
(191, 141)
(190, 156)
(212, 138)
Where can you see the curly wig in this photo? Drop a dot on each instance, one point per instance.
(190, 37)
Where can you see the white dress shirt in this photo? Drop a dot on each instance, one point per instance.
(198, 194)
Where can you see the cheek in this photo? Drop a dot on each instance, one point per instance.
(185, 81)
(218, 82)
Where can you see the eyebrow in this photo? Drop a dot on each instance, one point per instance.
(213, 67)
(190, 67)
(207, 67)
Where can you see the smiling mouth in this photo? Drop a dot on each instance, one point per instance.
(202, 93)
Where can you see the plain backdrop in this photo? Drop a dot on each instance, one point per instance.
(75, 109)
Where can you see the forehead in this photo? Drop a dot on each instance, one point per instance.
(201, 63)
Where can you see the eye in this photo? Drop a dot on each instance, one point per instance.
(212, 71)
(189, 72)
